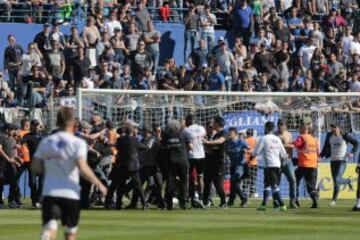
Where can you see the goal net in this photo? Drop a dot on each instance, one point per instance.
(241, 110)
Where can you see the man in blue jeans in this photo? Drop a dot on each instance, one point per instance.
(335, 148)
(191, 31)
(235, 149)
(287, 167)
(152, 39)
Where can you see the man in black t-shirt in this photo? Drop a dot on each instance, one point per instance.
(215, 163)
(140, 59)
(199, 56)
(80, 67)
(32, 140)
(31, 91)
(178, 166)
(127, 166)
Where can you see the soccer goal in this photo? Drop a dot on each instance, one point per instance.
(241, 110)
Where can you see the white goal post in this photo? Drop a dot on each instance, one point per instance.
(335, 107)
(242, 110)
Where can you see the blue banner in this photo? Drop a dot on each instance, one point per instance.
(249, 119)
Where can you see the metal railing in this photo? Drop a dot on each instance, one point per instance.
(28, 13)
(31, 13)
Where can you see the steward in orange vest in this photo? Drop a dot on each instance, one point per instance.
(308, 154)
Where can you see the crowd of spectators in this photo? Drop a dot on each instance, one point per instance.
(295, 46)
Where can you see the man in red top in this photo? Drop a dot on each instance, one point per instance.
(308, 152)
(164, 12)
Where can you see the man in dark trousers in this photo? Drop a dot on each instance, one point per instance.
(335, 148)
(235, 148)
(126, 166)
(149, 170)
(215, 163)
(177, 163)
(32, 140)
(7, 163)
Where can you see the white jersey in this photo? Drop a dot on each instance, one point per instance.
(272, 150)
(195, 134)
(111, 26)
(59, 153)
(338, 148)
(306, 52)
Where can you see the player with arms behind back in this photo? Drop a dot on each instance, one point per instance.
(61, 157)
(272, 150)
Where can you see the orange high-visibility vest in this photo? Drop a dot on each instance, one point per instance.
(308, 155)
(251, 141)
(112, 135)
(23, 151)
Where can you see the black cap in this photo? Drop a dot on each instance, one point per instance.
(46, 25)
(249, 131)
(34, 122)
(110, 124)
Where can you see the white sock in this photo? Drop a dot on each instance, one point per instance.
(358, 203)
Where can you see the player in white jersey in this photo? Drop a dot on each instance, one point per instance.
(61, 157)
(272, 150)
(194, 135)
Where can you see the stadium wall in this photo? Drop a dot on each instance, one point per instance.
(172, 38)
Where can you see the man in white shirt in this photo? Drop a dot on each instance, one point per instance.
(61, 157)
(346, 43)
(194, 135)
(207, 22)
(112, 24)
(272, 150)
(305, 54)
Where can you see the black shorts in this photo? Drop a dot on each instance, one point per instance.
(271, 176)
(198, 164)
(55, 208)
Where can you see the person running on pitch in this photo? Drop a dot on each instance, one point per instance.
(335, 148)
(235, 149)
(272, 151)
(61, 157)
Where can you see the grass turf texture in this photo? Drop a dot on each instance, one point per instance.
(338, 223)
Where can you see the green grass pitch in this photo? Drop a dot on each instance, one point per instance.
(325, 223)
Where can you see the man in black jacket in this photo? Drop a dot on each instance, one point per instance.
(177, 163)
(149, 170)
(126, 166)
(335, 148)
(32, 140)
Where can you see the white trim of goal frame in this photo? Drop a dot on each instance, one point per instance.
(215, 93)
(81, 91)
